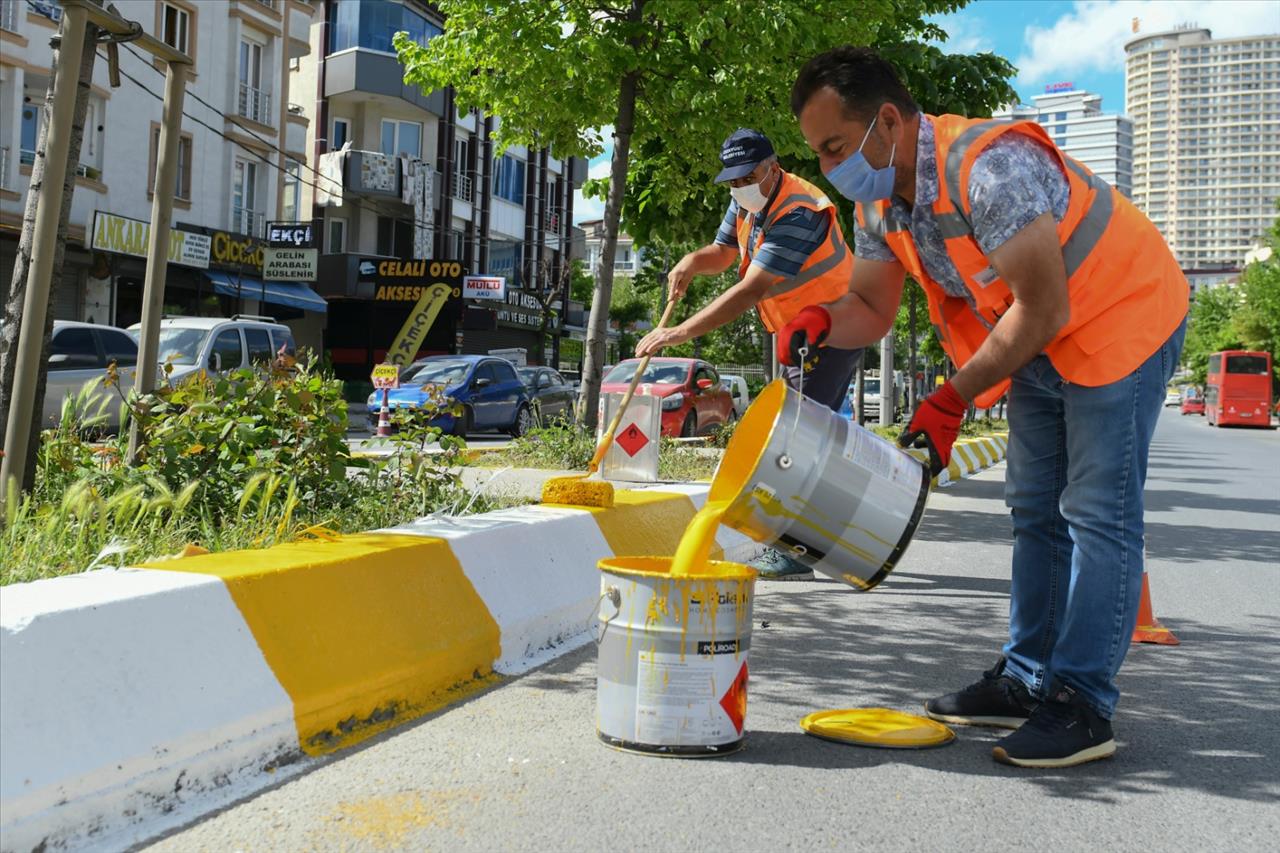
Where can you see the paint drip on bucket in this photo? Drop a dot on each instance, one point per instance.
(673, 656)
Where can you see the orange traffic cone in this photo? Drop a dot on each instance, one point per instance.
(1149, 629)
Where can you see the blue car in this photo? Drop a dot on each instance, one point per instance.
(491, 394)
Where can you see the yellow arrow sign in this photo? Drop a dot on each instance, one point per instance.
(414, 330)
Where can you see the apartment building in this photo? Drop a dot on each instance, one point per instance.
(1074, 118)
(1206, 142)
(407, 175)
(242, 143)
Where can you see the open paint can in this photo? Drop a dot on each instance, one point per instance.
(672, 667)
(817, 486)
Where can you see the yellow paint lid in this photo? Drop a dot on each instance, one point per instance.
(878, 727)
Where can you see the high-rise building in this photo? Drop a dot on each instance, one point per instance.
(1206, 140)
(1075, 120)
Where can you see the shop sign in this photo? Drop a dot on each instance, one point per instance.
(408, 281)
(523, 310)
(295, 235)
(290, 264)
(484, 287)
(125, 236)
(236, 251)
(386, 376)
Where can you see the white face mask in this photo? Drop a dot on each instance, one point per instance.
(750, 198)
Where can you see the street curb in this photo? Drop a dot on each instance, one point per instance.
(135, 700)
(969, 456)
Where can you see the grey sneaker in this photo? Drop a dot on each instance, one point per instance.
(774, 566)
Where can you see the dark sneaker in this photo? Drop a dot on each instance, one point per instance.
(1062, 732)
(774, 565)
(998, 700)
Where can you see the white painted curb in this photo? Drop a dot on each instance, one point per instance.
(132, 701)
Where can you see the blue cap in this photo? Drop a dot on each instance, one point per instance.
(742, 152)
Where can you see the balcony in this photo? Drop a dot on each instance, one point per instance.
(463, 189)
(254, 104)
(270, 4)
(363, 72)
(246, 221)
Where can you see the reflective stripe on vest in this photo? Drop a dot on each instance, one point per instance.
(838, 252)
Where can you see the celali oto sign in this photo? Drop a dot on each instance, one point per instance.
(291, 235)
(493, 287)
(290, 264)
(125, 236)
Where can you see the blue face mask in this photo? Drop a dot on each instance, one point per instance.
(855, 178)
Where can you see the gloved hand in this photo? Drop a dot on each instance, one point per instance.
(809, 329)
(937, 421)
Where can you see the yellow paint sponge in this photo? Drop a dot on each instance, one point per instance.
(577, 492)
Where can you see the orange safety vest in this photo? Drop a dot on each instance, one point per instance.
(1126, 290)
(824, 277)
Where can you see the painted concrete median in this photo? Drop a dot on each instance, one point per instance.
(136, 699)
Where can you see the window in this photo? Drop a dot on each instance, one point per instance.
(508, 179)
(337, 242)
(182, 186)
(253, 103)
(118, 347)
(341, 133)
(502, 371)
(30, 133)
(395, 237)
(283, 339)
(259, 343)
(403, 138)
(245, 217)
(175, 27)
(73, 349)
(292, 191)
(1059, 116)
(487, 370)
(229, 349)
(371, 24)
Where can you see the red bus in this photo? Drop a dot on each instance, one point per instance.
(1238, 389)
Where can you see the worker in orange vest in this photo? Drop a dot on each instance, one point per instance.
(1045, 283)
(791, 255)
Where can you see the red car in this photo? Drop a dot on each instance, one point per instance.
(1192, 402)
(694, 401)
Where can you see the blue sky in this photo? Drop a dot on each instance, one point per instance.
(1056, 41)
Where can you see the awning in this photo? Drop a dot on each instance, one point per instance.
(295, 294)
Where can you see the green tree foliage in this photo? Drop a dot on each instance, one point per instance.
(1209, 328)
(677, 76)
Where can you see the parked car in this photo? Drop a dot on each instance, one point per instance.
(218, 344)
(694, 402)
(491, 394)
(870, 399)
(737, 388)
(1173, 397)
(552, 396)
(80, 353)
(1192, 401)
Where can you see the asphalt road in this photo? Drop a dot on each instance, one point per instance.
(519, 767)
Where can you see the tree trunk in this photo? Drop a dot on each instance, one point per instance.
(860, 398)
(22, 263)
(598, 324)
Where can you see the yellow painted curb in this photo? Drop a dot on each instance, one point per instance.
(364, 632)
(643, 523)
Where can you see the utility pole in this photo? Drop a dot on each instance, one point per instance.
(40, 277)
(175, 88)
(888, 396)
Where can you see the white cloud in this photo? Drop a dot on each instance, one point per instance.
(1091, 36)
(965, 33)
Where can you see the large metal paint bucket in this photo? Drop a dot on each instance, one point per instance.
(672, 667)
(835, 496)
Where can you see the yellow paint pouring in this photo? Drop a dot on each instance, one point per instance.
(693, 554)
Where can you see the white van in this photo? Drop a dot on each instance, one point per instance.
(217, 343)
(80, 353)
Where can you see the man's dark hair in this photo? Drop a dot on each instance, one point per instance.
(859, 76)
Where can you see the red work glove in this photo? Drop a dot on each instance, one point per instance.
(809, 329)
(937, 421)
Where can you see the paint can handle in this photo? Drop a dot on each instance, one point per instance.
(784, 461)
(615, 598)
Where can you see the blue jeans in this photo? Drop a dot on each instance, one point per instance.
(1077, 465)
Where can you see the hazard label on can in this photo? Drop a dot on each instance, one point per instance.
(632, 440)
(682, 699)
